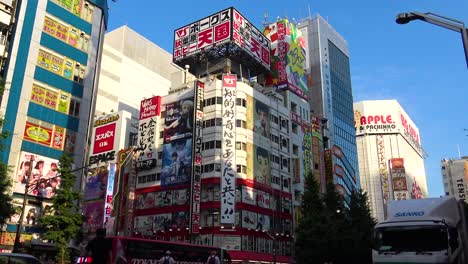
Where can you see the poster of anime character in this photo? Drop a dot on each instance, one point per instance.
(262, 166)
(179, 120)
(40, 172)
(177, 162)
(249, 219)
(261, 121)
(94, 213)
(179, 220)
(143, 225)
(96, 183)
(145, 201)
(162, 198)
(162, 222)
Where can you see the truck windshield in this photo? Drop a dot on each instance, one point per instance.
(411, 238)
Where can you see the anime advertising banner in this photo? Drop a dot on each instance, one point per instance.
(179, 120)
(288, 60)
(262, 167)
(249, 220)
(96, 183)
(94, 212)
(263, 222)
(162, 222)
(248, 195)
(177, 162)
(263, 199)
(145, 201)
(261, 119)
(143, 225)
(40, 172)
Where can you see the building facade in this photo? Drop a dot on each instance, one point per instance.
(51, 78)
(455, 177)
(220, 159)
(132, 68)
(391, 159)
(331, 100)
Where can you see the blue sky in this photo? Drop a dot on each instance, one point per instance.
(419, 64)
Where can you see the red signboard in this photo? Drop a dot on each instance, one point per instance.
(38, 134)
(104, 138)
(229, 81)
(150, 107)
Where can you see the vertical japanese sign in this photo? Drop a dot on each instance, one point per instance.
(383, 171)
(228, 164)
(197, 158)
(150, 109)
(109, 193)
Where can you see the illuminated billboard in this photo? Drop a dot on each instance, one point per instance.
(224, 28)
(288, 57)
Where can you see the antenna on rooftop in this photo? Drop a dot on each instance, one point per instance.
(265, 19)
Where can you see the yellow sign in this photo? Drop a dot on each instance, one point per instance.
(64, 102)
(37, 94)
(50, 26)
(43, 59)
(38, 134)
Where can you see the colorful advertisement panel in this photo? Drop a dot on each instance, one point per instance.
(263, 222)
(250, 161)
(145, 201)
(143, 225)
(263, 199)
(227, 242)
(197, 158)
(150, 109)
(307, 148)
(288, 61)
(38, 134)
(228, 150)
(61, 65)
(262, 167)
(202, 35)
(177, 162)
(249, 220)
(109, 194)
(399, 182)
(250, 39)
(106, 136)
(248, 195)
(178, 120)
(66, 33)
(41, 173)
(261, 121)
(96, 183)
(80, 8)
(94, 212)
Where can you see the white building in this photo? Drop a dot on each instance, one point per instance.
(391, 159)
(455, 177)
(132, 68)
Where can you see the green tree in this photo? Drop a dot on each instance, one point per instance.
(6, 205)
(360, 228)
(65, 223)
(312, 228)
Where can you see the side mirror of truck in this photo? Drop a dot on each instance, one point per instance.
(453, 240)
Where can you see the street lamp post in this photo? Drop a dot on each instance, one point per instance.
(438, 20)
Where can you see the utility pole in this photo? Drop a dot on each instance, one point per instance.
(23, 209)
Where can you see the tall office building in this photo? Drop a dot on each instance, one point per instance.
(455, 177)
(391, 159)
(51, 80)
(331, 100)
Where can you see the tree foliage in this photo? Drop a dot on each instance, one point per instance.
(6, 206)
(331, 232)
(65, 222)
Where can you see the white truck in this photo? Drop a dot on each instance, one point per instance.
(431, 230)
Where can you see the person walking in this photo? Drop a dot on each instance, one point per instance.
(213, 258)
(167, 259)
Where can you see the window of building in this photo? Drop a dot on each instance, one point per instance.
(275, 119)
(161, 135)
(295, 149)
(276, 180)
(241, 123)
(241, 169)
(74, 109)
(294, 128)
(160, 155)
(241, 146)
